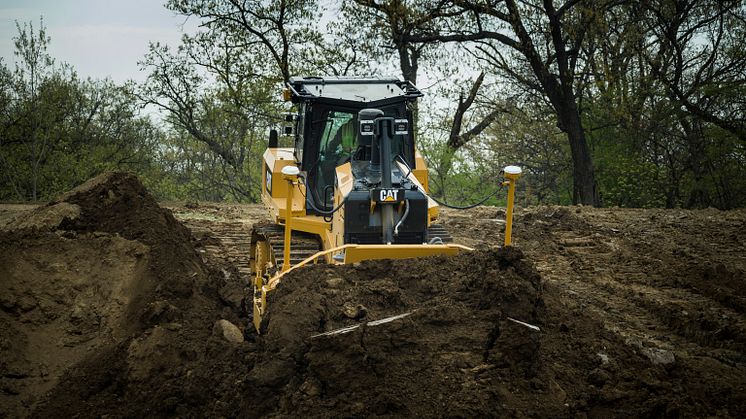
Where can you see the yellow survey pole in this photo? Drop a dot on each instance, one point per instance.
(290, 173)
(512, 173)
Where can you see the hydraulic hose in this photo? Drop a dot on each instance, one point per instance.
(322, 212)
(404, 217)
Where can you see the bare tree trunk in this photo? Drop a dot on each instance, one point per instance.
(409, 64)
(584, 189)
(697, 163)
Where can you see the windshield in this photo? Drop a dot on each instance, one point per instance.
(338, 135)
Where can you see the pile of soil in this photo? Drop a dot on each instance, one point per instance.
(449, 356)
(110, 307)
(104, 299)
(666, 286)
(482, 336)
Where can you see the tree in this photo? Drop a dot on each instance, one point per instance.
(700, 58)
(275, 29)
(56, 130)
(220, 86)
(230, 117)
(394, 25)
(31, 72)
(694, 50)
(543, 53)
(651, 147)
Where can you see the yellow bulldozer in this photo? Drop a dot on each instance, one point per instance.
(354, 186)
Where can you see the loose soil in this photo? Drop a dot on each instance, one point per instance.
(111, 305)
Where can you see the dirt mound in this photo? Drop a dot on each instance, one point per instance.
(117, 203)
(659, 293)
(477, 335)
(102, 279)
(442, 359)
(59, 299)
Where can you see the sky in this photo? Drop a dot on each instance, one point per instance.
(99, 38)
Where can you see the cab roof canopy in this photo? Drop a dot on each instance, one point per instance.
(351, 91)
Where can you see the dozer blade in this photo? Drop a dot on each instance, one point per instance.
(357, 253)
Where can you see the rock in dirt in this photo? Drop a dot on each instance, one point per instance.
(354, 311)
(311, 388)
(335, 282)
(228, 331)
(659, 356)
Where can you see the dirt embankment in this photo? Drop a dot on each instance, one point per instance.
(666, 284)
(110, 306)
(102, 294)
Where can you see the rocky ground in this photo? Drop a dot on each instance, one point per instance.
(113, 305)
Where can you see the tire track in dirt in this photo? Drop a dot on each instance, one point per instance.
(651, 285)
(223, 231)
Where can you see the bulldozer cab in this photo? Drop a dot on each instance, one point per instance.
(326, 126)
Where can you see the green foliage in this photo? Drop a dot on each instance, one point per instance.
(518, 137)
(658, 90)
(626, 179)
(57, 130)
(220, 91)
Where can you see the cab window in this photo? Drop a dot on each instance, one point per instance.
(336, 146)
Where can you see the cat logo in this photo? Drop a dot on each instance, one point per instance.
(387, 195)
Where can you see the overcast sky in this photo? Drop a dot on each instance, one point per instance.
(99, 38)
